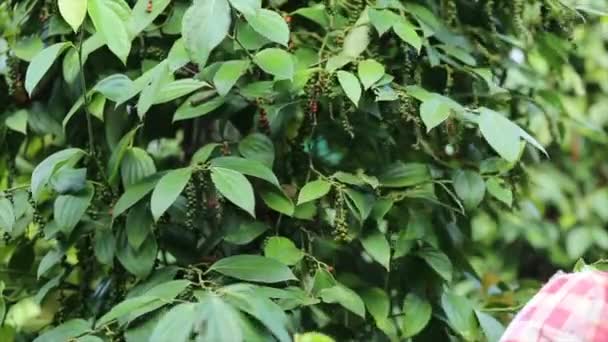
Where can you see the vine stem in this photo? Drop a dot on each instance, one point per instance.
(85, 95)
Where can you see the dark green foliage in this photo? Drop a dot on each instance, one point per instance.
(239, 170)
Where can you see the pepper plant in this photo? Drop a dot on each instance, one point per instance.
(246, 170)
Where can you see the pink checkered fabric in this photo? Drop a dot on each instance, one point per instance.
(571, 307)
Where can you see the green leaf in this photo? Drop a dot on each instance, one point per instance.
(204, 26)
(350, 85)
(377, 303)
(253, 268)
(105, 246)
(360, 203)
(246, 7)
(178, 56)
(433, 112)
(69, 209)
(246, 232)
(417, 314)
(247, 167)
(169, 187)
(139, 225)
(344, 296)
(496, 188)
(227, 75)
(190, 109)
(269, 24)
(382, 20)
(276, 62)
(405, 30)
(502, 134)
(151, 90)
(459, 313)
(283, 250)
(135, 193)
(177, 324)
(248, 38)
(73, 12)
(118, 154)
(261, 308)
(398, 175)
(578, 241)
(17, 121)
(257, 146)
(470, 187)
(66, 331)
(235, 187)
(313, 337)
(41, 63)
(108, 21)
(276, 199)
(370, 72)
(143, 16)
(218, 318)
(136, 165)
(7, 215)
(139, 262)
(68, 180)
(313, 190)
(316, 13)
(491, 327)
(438, 261)
(124, 308)
(357, 40)
(203, 153)
(27, 47)
(378, 248)
(176, 89)
(115, 87)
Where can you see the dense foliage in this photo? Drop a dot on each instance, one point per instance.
(232, 170)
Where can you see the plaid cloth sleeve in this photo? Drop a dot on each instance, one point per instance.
(571, 307)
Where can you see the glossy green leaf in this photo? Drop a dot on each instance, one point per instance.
(491, 327)
(400, 174)
(276, 62)
(350, 85)
(136, 165)
(417, 314)
(138, 262)
(344, 296)
(177, 324)
(405, 30)
(313, 190)
(66, 331)
(438, 261)
(246, 7)
(370, 72)
(176, 89)
(459, 313)
(500, 191)
(470, 187)
(377, 303)
(168, 188)
(276, 200)
(227, 75)
(139, 225)
(7, 215)
(204, 27)
(433, 112)
(109, 22)
(192, 108)
(69, 209)
(135, 193)
(247, 167)
(235, 187)
(283, 250)
(253, 268)
(501, 133)
(258, 147)
(376, 245)
(219, 318)
(270, 25)
(73, 12)
(41, 64)
(382, 20)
